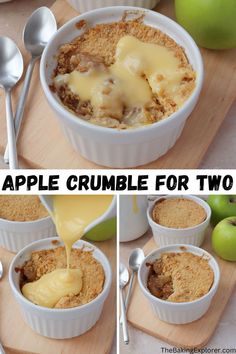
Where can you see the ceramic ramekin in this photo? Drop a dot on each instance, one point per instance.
(168, 236)
(112, 147)
(15, 235)
(88, 5)
(184, 312)
(59, 323)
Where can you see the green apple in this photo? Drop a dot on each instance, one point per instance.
(103, 231)
(222, 206)
(212, 23)
(224, 239)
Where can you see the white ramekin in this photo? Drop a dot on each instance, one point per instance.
(15, 235)
(112, 147)
(88, 5)
(184, 312)
(59, 323)
(190, 236)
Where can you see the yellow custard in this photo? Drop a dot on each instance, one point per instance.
(140, 70)
(52, 286)
(135, 204)
(71, 215)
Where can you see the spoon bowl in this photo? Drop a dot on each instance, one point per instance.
(123, 281)
(123, 276)
(11, 70)
(11, 63)
(38, 30)
(136, 259)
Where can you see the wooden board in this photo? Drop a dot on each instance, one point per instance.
(38, 142)
(195, 334)
(17, 337)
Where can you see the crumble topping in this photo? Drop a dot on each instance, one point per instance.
(180, 277)
(178, 213)
(21, 208)
(45, 261)
(95, 50)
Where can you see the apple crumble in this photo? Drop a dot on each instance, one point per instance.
(178, 213)
(123, 75)
(46, 261)
(21, 208)
(180, 277)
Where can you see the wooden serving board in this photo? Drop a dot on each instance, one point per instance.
(17, 337)
(38, 142)
(192, 335)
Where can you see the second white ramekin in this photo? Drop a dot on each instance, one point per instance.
(182, 312)
(190, 236)
(59, 323)
(15, 235)
(112, 147)
(88, 5)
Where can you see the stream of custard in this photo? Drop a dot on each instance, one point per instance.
(135, 204)
(71, 215)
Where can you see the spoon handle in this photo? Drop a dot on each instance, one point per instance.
(21, 103)
(128, 294)
(1, 270)
(11, 137)
(129, 291)
(2, 351)
(124, 319)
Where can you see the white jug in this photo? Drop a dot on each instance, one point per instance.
(133, 221)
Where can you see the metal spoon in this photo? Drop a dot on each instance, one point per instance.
(1, 274)
(38, 30)
(123, 281)
(1, 270)
(135, 259)
(2, 351)
(11, 70)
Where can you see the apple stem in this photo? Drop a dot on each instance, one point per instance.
(233, 222)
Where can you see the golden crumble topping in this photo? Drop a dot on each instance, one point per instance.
(178, 213)
(96, 48)
(180, 277)
(45, 261)
(21, 208)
